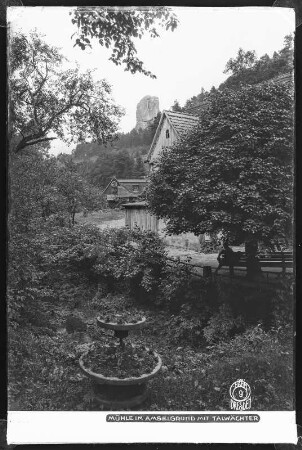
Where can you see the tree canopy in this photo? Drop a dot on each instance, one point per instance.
(117, 29)
(234, 172)
(244, 60)
(44, 188)
(123, 158)
(112, 163)
(246, 68)
(48, 102)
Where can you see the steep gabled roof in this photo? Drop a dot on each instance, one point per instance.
(112, 179)
(180, 122)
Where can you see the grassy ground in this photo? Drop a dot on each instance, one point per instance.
(45, 375)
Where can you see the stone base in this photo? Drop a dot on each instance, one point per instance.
(120, 396)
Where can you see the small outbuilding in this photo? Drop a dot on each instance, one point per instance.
(122, 189)
(137, 215)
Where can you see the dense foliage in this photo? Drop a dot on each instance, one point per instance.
(123, 158)
(45, 188)
(134, 141)
(234, 172)
(117, 29)
(48, 101)
(205, 345)
(111, 164)
(45, 193)
(246, 69)
(244, 60)
(131, 260)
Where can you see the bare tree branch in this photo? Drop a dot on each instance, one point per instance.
(27, 141)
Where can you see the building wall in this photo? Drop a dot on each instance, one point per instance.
(162, 140)
(130, 186)
(125, 185)
(141, 218)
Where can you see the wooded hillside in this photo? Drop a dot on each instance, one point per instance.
(124, 156)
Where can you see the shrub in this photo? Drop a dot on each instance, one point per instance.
(223, 325)
(186, 327)
(219, 310)
(174, 287)
(261, 358)
(179, 286)
(133, 258)
(26, 289)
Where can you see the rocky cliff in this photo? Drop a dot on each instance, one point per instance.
(146, 110)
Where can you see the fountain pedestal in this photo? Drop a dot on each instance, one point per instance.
(119, 393)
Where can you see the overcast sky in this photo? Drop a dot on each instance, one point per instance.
(190, 58)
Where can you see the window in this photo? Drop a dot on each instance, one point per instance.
(167, 134)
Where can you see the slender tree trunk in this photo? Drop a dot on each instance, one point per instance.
(253, 267)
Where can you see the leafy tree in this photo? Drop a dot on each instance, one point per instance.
(122, 158)
(234, 172)
(118, 28)
(196, 100)
(123, 164)
(287, 51)
(134, 142)
(244, 60)
(48, 102)
(249, 70)
(43, 187)
(75, 192)
(112, 163)
(33, 194)
(139, 168)
(176, 106)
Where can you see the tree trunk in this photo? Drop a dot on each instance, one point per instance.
(253, 268)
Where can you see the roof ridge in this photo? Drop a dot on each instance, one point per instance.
(180, 114)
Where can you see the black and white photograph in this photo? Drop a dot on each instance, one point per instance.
(151, 215)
